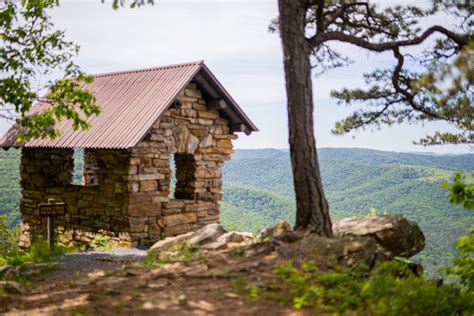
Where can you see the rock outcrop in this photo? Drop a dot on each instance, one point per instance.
(364, 240)
(211, 237)
(394, 233)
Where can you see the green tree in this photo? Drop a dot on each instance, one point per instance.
(308, 28)
(461, 192)
(31, 49)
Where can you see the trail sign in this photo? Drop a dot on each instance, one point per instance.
(54, 209)
(50, 210)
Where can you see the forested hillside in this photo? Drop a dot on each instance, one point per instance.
(258, 191)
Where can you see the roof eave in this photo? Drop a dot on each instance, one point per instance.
(221, 92)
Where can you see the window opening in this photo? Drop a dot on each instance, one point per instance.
(182, 184)
(78, 171)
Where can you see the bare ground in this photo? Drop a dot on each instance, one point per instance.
(112, 283)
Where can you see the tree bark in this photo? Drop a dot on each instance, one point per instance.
(312, 212)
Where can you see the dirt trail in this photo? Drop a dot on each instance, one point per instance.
(108, 283)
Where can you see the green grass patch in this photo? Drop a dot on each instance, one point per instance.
(101, 242)
(39, 252)
(390, 290)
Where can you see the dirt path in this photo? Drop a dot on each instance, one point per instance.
(107, 283)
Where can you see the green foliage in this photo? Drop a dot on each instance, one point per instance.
(390, 290)
(32, 49)
(460, 192)
(433, 84)
(73, 279)
(116, 4)
(10, 185)
(449, 87)
(38, 252)
(9, 237)
(462, 268)
(101, 242)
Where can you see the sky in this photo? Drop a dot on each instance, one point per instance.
(232, 37)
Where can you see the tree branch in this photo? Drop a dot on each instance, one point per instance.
(408, 96)
(318, 39)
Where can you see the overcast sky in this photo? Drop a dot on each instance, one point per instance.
(232, 38)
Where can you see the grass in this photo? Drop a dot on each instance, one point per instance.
(27, 262)
(39, 252)
(101, 242)
(73, 280)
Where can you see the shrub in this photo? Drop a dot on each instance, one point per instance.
(101, 242)
(390, 290)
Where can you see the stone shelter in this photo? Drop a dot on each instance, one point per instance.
(152, 121)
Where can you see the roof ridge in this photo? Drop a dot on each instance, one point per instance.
(113, 73)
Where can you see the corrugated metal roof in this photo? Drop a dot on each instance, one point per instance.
(131, 102)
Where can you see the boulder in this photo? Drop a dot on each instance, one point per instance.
(229, 240)
(206, 234)
(171, 243)
(348, 250)
(275, 230)
(394, 233)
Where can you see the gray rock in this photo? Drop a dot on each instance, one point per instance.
(193, 143)
(230, 239)
(393, 232)
(206, 234)
(171, 243)
(348, 250)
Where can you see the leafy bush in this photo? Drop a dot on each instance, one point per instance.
(101, 242)
(390, 290)
(461, 192)
(462, 269)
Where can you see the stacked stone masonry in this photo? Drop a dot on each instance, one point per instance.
(125, 194)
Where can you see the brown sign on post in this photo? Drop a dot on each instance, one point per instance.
(56, 209)
(50, 210)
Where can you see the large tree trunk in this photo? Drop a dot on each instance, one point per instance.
(312, 212)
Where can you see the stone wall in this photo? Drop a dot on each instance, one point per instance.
(125, 193)
(198, 140)
(47, 173)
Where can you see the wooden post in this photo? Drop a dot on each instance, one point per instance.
(50, 210)
(50, 232)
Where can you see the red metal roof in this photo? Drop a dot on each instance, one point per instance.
(131, 102)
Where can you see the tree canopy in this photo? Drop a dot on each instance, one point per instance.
(32, 52)
(435, 84)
